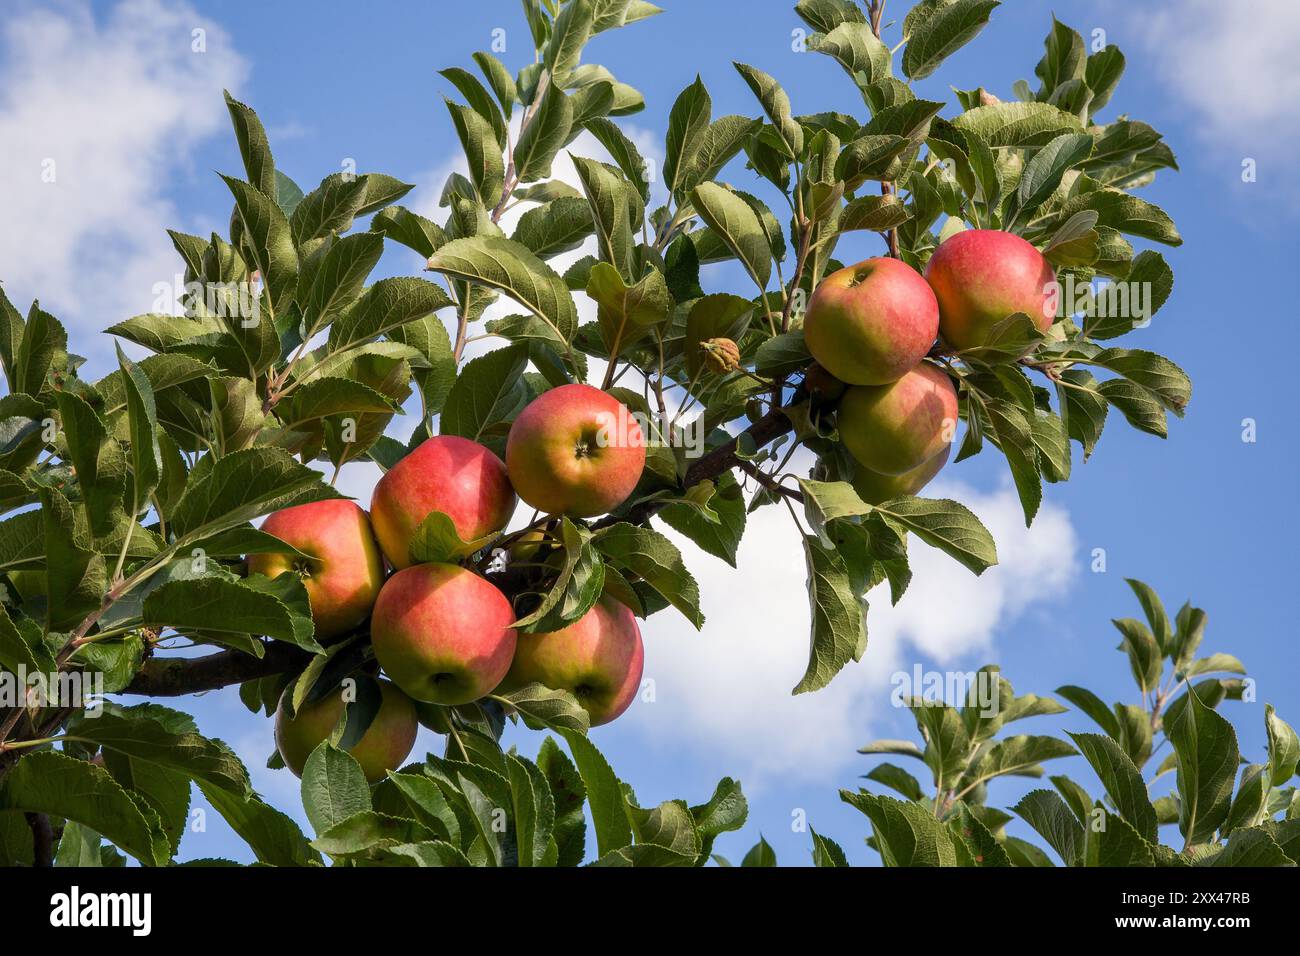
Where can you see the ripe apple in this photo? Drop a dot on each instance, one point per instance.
(383, 747)
(442, 633)
(575, 450)
(981, 276)
(344, 572)
(598, 658)
(449, 474)
(874, 488)
(893, 429)
(869, 324)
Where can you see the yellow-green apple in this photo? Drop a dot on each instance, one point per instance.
(442, 633)
(893, 429)
(456, 476)
(343, 572)
(874, 488)
(598, 658)
(981, 276)
(575, 450)
(383, 747)
(869, 324)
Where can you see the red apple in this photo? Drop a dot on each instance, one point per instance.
(597, 658)
(384, 746)
(981, 276)
(893, 429)
(453, 475)
(442, 633)
(575, 450)
(344, 572)
(869, 324)
(874, 488)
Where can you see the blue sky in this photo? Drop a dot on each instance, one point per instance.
(113, 91)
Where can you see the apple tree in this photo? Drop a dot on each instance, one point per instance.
(134, 502)
(1228, 812)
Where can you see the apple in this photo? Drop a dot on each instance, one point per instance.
(821, 384)
(456, 476)
(344, 571)
(869, 324)
(442, 633)
(981, 276)
(575, 450)
(874, 488)
(384, 746)
(598, 658)
(893, 429)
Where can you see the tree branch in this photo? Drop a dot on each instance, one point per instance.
(42, 839)
(175, 676)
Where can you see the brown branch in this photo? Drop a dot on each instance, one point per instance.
(42, 839)
(175, 676)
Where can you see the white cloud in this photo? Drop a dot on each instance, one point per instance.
(724, 694)
(118, 105)
(1233, 65)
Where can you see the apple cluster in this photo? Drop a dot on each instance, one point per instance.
(871, 326)
(441, 632)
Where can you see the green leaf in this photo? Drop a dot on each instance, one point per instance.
(826, 852)
(896, 778)
(62, 786)
(609, 809)
(734, 221)
(687, 122)
(1063, 59)
(874, 213)
(269, 239)
(142, 421)
(1283, 746)
(253, 146)
(719, 538)
(1122, 780)
(776, 104)
(569, 795)
(385, 308)
(1042, 174)
(334, 787)
(1048, 814)
(838, 619)
(560, 225)
(544, 136)
(1018, 125)
(42, 340)
(947, 525)
(625, 312)
(1206, 747)
(569, 35)
(941, 34)
(543, 707)
(368, 831)
(75, 574)
(482, 148)
(490, 389)
(22, 652)
(222, 606)
(1125, 212)
(511, 268)
(335, 279)
(167, 739)
(657, 561)
(760, 854)
(534, 812)
(907, 834)
(1143, 653)
(857, 49)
